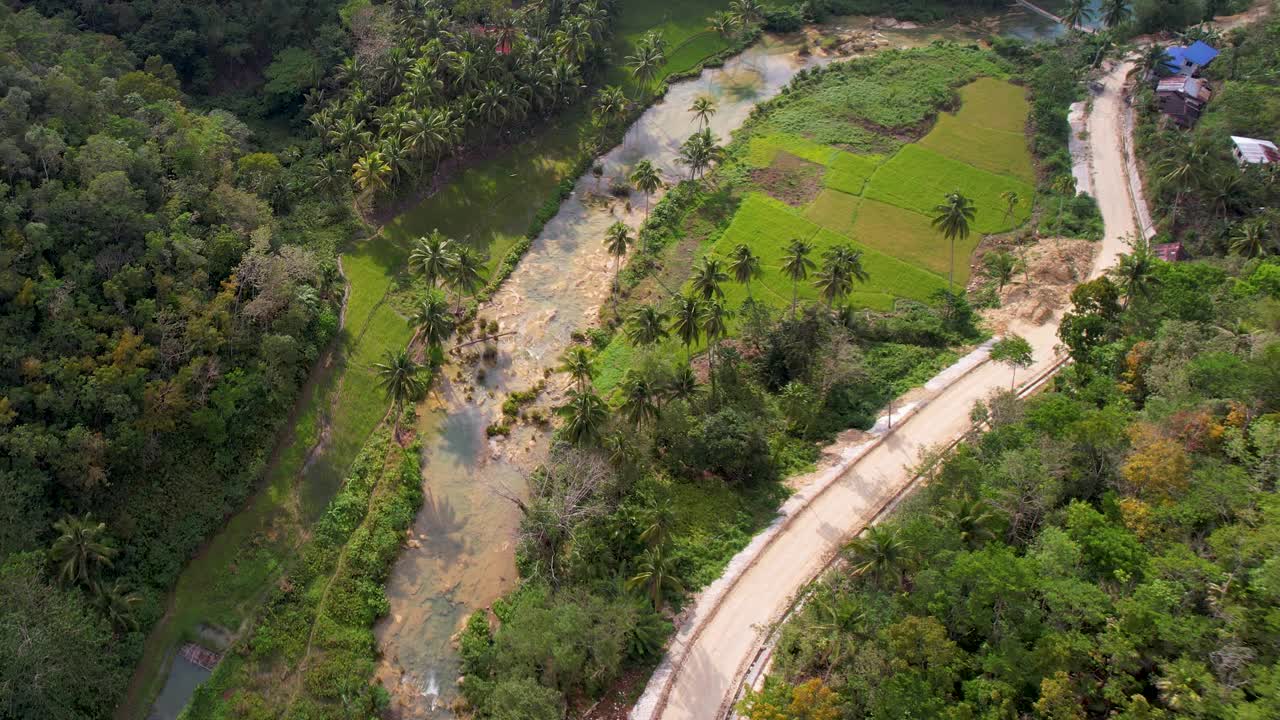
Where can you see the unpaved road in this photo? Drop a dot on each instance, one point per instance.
(705, 663)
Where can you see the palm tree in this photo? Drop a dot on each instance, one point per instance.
(467, 272)
(683, 384)
(647, 326)
(433, 320)
(1153, 62)
(953, 218)
(656, 572)
(370, 172)
(578, 362)
(610, 106)
(723, 23)
(398, 376)
(745, 266)
(877, 553)
(1135, 272)
(81, 550)
(1251, 238)
(329, 177)
(646, 179)
(1077, 14)
(703, 108)
(117, 603)
(1183, 168)
(1064, 186)
(648, 59)
(1114, 12)
(841, 267)
(585, 416)
(700, 152)
(715, 323)
(686, 322)
(662, 520)
(433, 258)
(639, 399)
(1011, 200)
(616, 240)
(974, 520)
(707, 276)
(796, 266)
(747, 12)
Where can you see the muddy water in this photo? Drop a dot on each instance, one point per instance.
(460, 557)
(461, 554)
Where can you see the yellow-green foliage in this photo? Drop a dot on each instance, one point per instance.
(918, 178)
(988, 132)
(910, 236)
(764, 148)
(849, 173)
(768, 226)
(834, 210)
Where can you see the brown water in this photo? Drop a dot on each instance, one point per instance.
(461, 554)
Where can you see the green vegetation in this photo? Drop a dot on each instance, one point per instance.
(1201, 197)
(849, 173)
(1103, 550)
(988, 132)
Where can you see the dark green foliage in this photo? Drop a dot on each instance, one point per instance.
(1045, 573)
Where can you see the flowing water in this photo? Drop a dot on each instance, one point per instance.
(460, 553)
(460, 557)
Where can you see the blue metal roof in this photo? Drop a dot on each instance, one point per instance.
(1175, 57)
(1200, 53)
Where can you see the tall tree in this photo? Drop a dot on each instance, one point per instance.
(585, 416)
(639, 398)
(1115, 12)
(715, 323)
(686, 321)
(703, 108)
(579, 363)
(1135, 271)
(616, 241)
(433, 258)
(953, 217)
(656, 574)
(82, 550)
(466, 274)
(647, 180)
(796, 266)
(842, 266)
(398, 374)
(647, 326)
(707, 277)
(1077, 14)
(745, 266)
(1014, 351)
(647, 61)
(432, 320)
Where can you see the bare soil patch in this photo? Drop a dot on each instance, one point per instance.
(1054, 267)
(793, 180)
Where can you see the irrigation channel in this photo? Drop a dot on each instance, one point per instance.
(460, 556)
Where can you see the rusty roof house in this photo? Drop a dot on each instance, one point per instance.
(1182, 98)
(1251, 151)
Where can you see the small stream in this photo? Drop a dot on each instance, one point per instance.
(460, 554)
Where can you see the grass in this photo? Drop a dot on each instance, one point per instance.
(988, 132)
(910, 236)
(849, 173)
(763, 149)
(834, 210)
(918, 178)
(490, 206)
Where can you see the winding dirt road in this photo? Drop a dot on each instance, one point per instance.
(710, 654)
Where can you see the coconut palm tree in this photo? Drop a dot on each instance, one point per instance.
(329, 177)
(647, 326)
(723, 23)
(649, 57)
(703, 108)
(686, 321)
(371, 173)
(974, 520)
(661, 521)
(656, 574)
(747, 12)
(1000, 267)
(745, 266)
(1114, 12)
(398, 376)
(1135, 272)
(1153, 62)
(616, 240)
(117, 603)
(81, 551)
(579, 363)
(683, 384)
(432, 320)
(466, 275)
(1184, 168)
(1251, 238)
(433, 258)
(842, 266)
(585, 416)
(707, 276)
(715, 323)
(610, 106)
(953, 217)
(700, 152)
(1077, 14)
(796, 266)
(878, 553)
(646, 179)
(639, 399)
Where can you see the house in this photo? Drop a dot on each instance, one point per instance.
(1169, 252)
(1249, 151)
(1182, 98)
(1188, 60)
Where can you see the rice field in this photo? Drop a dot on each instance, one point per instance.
(918, 178)
(910, 236)
(849, 173)
(762, 150)
(988, 132)
(834, 210)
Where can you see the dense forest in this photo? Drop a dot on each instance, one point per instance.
(1107, 549)
(164, 290)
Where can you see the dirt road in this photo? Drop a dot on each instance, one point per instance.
(713, 647)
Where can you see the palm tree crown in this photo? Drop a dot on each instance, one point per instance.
(81, 551)
(953, 217)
